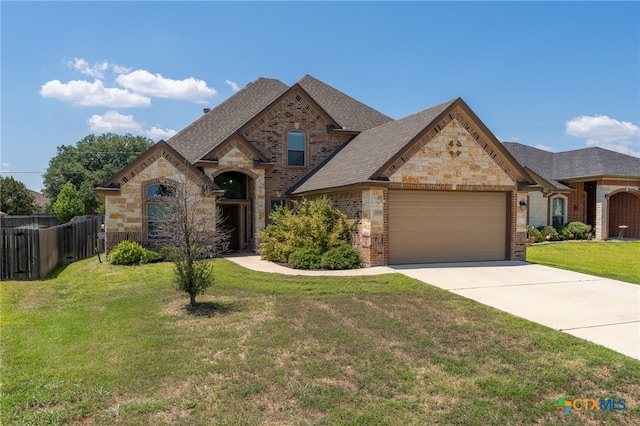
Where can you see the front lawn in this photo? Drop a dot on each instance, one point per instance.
(619, 260)
(102, 344)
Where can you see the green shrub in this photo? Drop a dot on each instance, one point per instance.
(341, 257)
(306, 258)
(311, 223)
(577, 231)
(169, 253)
(152, 256)
(549, 233)
(535, 233)
(130, 253)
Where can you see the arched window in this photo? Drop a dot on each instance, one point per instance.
(558, 210)
(296, 148)
(160, 211)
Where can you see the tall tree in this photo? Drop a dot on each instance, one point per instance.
(68, 204)
(15, 198)
(91, 161)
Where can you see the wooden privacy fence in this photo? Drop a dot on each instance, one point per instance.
(30, 252)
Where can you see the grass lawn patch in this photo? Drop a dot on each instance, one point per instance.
(619, 260)
(102, 344)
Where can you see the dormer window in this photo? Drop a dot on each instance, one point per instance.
(296, 148)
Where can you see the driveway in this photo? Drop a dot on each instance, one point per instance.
(603, 311)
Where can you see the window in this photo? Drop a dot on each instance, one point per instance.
(557, 211)
(296, 147)
(277, 202)
(234, 184)
(160, 217)
(160, 211)
(160, 190)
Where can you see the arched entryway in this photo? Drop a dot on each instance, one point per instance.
(236, 206)
(624, 210)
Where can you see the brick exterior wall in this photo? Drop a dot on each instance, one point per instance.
(268, 133)
(624, 209)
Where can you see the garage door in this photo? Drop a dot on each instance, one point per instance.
(442, 226)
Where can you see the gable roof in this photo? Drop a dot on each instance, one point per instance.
(360, 159)
(146, 158)
(576, 164)
(213, 128)
(348, 112)
(365, 158)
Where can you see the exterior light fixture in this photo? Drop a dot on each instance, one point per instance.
(523, 205)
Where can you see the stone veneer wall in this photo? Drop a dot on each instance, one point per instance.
(537, 206)
(126, 212)
(234, 156)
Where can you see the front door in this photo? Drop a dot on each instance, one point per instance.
(230, 221)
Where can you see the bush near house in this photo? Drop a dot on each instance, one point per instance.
(570, 231)
(301, 235)
(341, 257)
(576, 231)
(132, 253)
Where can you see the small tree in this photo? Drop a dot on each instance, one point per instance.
(68, 204)
(194, 233)
(15, 198)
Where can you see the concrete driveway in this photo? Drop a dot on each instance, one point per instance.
(603, 311)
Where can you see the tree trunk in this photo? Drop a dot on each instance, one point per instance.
(193, 299)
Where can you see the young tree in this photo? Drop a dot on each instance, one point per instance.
(185, 221)
(91, 161)
(15, 198)
(68, 204)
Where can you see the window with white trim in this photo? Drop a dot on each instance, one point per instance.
(558, 210)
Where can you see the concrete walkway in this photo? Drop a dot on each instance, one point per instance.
(600, 310)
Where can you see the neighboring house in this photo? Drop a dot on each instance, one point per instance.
(592, 185)
(40, 201)
(436, 186)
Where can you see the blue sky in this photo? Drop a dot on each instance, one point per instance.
(554, 75)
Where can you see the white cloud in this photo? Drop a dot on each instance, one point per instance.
(6, 165)
(606, 132)
(234, 85)
(146, 83)
(85, 93)
(113, 121)
(120, 69)
(156, 133)
(97, 70)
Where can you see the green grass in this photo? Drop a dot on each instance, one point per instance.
(102, 344)
(615, 259)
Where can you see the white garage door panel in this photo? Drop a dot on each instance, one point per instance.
(434, 226)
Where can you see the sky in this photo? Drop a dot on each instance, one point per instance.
(554, 75)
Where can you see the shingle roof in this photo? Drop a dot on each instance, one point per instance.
(348, 112)
(208, 131)
(360, 159)
(214, 127)
(580, 163)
